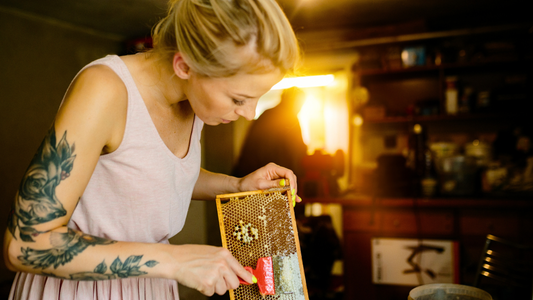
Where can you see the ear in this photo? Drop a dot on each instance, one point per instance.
(181, 68)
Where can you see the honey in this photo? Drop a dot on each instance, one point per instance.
(261, 224)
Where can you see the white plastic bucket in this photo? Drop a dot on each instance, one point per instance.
(444, 291)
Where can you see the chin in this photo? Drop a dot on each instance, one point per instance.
(213, 123)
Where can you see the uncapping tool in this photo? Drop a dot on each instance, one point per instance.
(275, 275)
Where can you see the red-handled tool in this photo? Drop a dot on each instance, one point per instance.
(264, 273)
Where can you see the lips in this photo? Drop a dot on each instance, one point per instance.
(228, 121)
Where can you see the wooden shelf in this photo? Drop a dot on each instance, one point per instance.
(447, 66)
(450, 202)
(436, 118)
(416, 69)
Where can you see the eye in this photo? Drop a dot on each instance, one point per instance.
(238, 102)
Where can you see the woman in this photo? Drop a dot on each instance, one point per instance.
(114, 176)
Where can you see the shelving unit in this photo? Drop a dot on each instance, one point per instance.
(420, 83)
(506, 74)
(497, 63)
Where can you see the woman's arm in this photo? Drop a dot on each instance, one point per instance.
(209, 184)
(91, 122)
(69, 254)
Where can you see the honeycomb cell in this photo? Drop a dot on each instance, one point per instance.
(269, 213)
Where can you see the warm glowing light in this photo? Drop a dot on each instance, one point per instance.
(357, 120)
(311, 118)
(304, 82)
(312, 106)
(417, 129)
(405, 55)
(360, 95)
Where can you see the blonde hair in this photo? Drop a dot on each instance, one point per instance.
(209, 33)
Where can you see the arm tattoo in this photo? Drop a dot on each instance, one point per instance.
(37, 203)
(118, 269)
(36, 200)
(64, 247)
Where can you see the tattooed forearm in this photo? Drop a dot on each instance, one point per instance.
(65, 246)
(118, 269)
(36, 200)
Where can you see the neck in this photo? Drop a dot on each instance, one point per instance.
(166, 86)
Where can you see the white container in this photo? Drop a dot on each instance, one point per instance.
(452, 96)
(443, 291)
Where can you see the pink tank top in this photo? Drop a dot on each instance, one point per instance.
(141, 192)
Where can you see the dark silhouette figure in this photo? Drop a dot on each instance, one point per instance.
(276, 137)
(320, 248)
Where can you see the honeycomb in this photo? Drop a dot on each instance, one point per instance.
(271, 216)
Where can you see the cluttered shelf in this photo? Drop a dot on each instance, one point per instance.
(443, 118)
(443, 80)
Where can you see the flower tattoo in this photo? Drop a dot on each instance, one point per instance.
(36, 201)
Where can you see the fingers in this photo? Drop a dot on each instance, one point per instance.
(280, 176)
(209, 269)
(288, 178)
(244, 274)
(235, 270)
(219, 284)
(282, 182)
(222, 286)
(271, 176)
(294, 198)
(224, 280)
(231, 273)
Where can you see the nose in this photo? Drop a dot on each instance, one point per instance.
(247, 111)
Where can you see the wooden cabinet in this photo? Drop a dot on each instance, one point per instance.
(467, 221)
(398, 222)
(483, 222)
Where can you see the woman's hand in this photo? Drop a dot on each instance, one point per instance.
(270, 176)
(209, 269)
(210, 184)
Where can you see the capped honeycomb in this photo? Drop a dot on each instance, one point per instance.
(261, 224)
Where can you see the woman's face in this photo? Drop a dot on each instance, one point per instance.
(222, 100)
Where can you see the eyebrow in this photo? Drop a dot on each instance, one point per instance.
(244, 96)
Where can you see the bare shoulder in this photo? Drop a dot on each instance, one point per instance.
(96, 105)
(99, 83)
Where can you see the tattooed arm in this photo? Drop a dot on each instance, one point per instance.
(65, 246)
(90, 122)
(37, 239)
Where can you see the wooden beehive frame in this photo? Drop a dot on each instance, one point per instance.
(271, 215)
